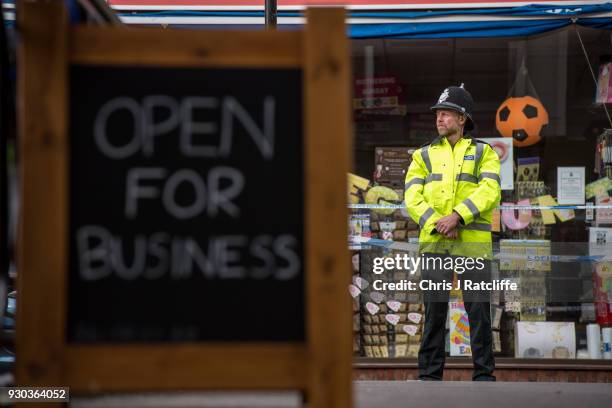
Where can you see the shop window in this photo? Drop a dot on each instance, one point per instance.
(538, 105)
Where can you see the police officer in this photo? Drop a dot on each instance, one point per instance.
(452, 187)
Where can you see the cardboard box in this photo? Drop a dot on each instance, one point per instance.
(518, 254)
(544, 340)
(400, 350)
(413, 350)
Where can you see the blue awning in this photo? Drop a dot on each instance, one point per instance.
(518, 21)
(473, 29)
(463, 23)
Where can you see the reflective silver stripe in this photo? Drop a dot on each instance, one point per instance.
(433, 177)
(478, 156)
(425, 217)
(413, 181)
(491, 176)
(477, 227)
(472, 207)
(467, 177)
(425, 156)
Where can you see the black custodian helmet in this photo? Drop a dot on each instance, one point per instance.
(458, 99)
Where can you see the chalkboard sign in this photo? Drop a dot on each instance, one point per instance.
(187, 201)
(183, 219)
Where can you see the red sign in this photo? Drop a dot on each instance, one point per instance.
(376, 87)
(378, 95)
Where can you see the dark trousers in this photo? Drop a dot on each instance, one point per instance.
(432, 351)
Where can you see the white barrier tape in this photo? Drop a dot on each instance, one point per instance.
(501, 207)
(400, 246)
(412, 247)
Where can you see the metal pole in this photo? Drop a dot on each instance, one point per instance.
(271, 12)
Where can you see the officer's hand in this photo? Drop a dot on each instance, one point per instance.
(454, 234)
(446, 224)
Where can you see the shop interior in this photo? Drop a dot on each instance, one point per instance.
(535, 96)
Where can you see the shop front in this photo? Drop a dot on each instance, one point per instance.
(541, 78)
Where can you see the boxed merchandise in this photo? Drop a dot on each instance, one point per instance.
(545, 340)
(359, 226)
(533, 311)
(496, 314)
(496, 342)
(401, 350)
(528, 168)
(413, 350)
(517, 254)
(356, 323)
(603, 215)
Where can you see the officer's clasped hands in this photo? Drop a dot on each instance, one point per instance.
(447, 226)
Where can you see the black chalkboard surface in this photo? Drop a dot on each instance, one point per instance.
(186, 205)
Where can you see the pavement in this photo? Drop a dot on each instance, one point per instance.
(386, 394)
(468, 394)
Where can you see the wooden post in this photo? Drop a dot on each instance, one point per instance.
(42, 257)
(328, 136)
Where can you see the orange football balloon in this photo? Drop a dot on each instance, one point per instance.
(522, 119)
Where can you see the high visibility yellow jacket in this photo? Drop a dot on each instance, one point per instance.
(442, 179)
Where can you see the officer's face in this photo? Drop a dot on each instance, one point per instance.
(449, 122)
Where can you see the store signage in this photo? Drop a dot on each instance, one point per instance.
(391, 165)
(378, 95)
(570, 185)
(173, 187)
(377, 87)
(178, 229)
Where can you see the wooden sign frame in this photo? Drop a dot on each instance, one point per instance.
(321, 366)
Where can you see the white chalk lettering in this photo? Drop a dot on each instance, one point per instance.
(190, 128)
(169, 196)
(103, 254)
(100, 127)
(158, 251)
(282, 247)
(152, 129)
(221, 198)
(93, 253)
(260, 250)
(227, 255)
(134, 191)
(263, 138)
(139, 258)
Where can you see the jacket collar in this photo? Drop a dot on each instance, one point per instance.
(439, 139)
